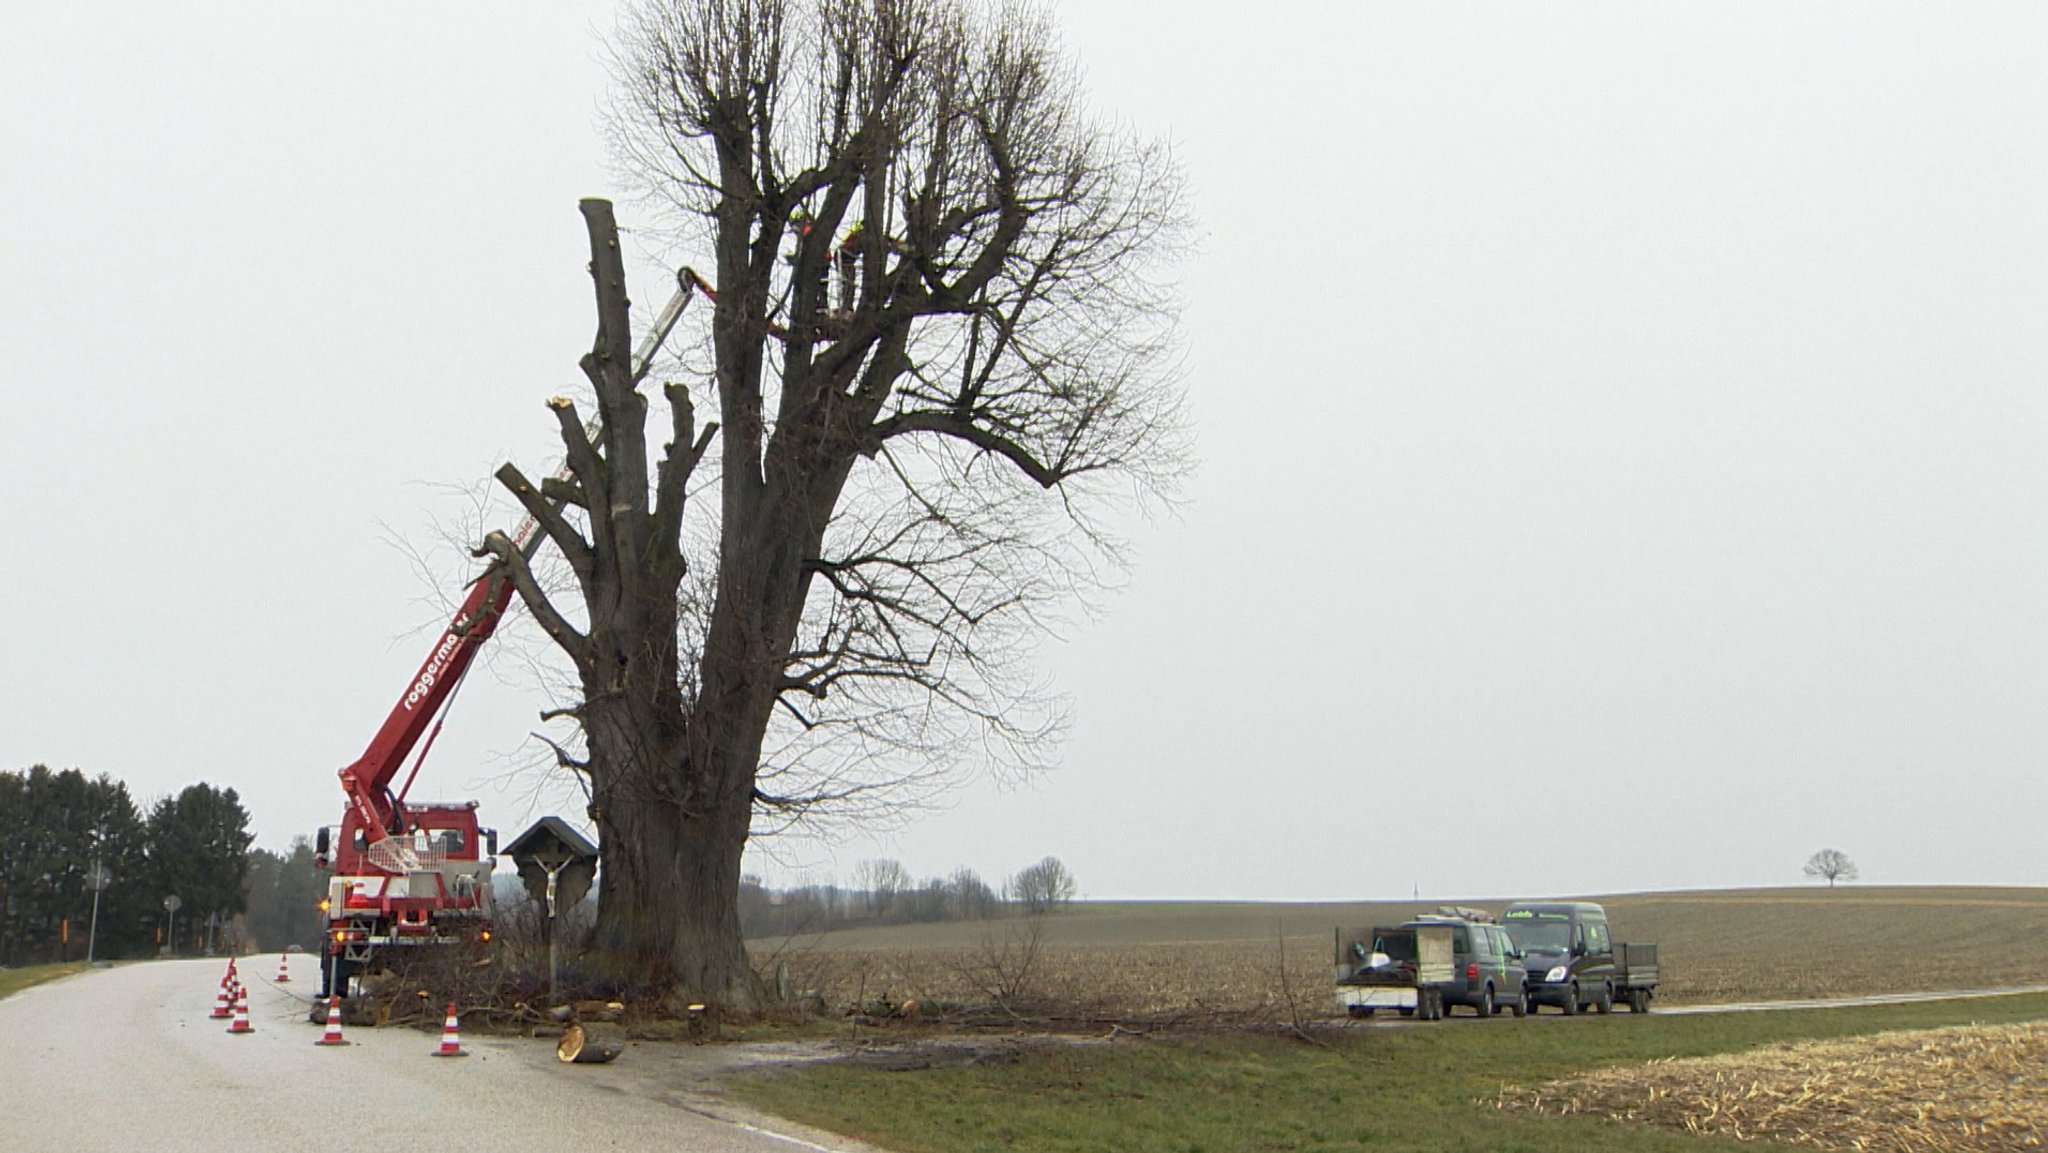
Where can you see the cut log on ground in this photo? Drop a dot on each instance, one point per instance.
(600, 1010)
(591, 1043)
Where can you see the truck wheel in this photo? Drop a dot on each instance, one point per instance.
(1529, 1003)
(1571, 1001)
(1638, 1000)
(1606, 1002)
(1488, 1007)
(1519, 1005)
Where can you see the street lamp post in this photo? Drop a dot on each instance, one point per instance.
(171, 906)
(99, 877)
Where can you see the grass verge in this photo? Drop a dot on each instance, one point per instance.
(13, 981)
(1427, 1088)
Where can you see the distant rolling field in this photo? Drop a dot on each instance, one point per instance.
(1179, 956)
(1766, 944)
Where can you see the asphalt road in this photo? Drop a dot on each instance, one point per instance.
(128, 1059)
(1847, 1002)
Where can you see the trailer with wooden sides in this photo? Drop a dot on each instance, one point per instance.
(1404, 968)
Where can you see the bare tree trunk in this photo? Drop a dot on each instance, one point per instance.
(669, 917)
(671, 796)
(1002, 338)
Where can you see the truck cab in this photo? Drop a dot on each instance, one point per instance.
(429, 885)
(1568, 952)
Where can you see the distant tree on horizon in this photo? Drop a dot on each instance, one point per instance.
(883, 882)
(1043, 887)
(1833, 864)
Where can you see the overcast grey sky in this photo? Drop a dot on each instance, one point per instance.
(1620, 430)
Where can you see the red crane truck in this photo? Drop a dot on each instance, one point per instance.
(413, 874)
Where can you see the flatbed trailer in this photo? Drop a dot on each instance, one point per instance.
(1635, 975)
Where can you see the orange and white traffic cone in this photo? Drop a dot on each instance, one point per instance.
(451, 1038)
(333, 1034)
(241, 1024)
(224, 1000)
(284, 972)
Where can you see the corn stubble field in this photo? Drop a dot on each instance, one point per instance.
(1247, 961)
(1981, 1088)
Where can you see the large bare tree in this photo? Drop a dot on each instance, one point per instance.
(939, 343)
(1831, 865)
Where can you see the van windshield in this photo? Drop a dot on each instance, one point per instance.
(1555, 936)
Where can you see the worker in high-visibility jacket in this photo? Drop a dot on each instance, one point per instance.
(848, 258)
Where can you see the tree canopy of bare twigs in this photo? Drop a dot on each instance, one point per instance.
(1831, 865)
(1043, 887)
(940, 347)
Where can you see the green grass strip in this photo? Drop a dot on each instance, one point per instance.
(13, 981)
(1421, 1088)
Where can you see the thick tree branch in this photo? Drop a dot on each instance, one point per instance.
(562, 755)
(619, 529)
(543, 509)
(564, 492)
(962, 428)
(611, 351)
(680, 459)
(558, 628)
(590, 473)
